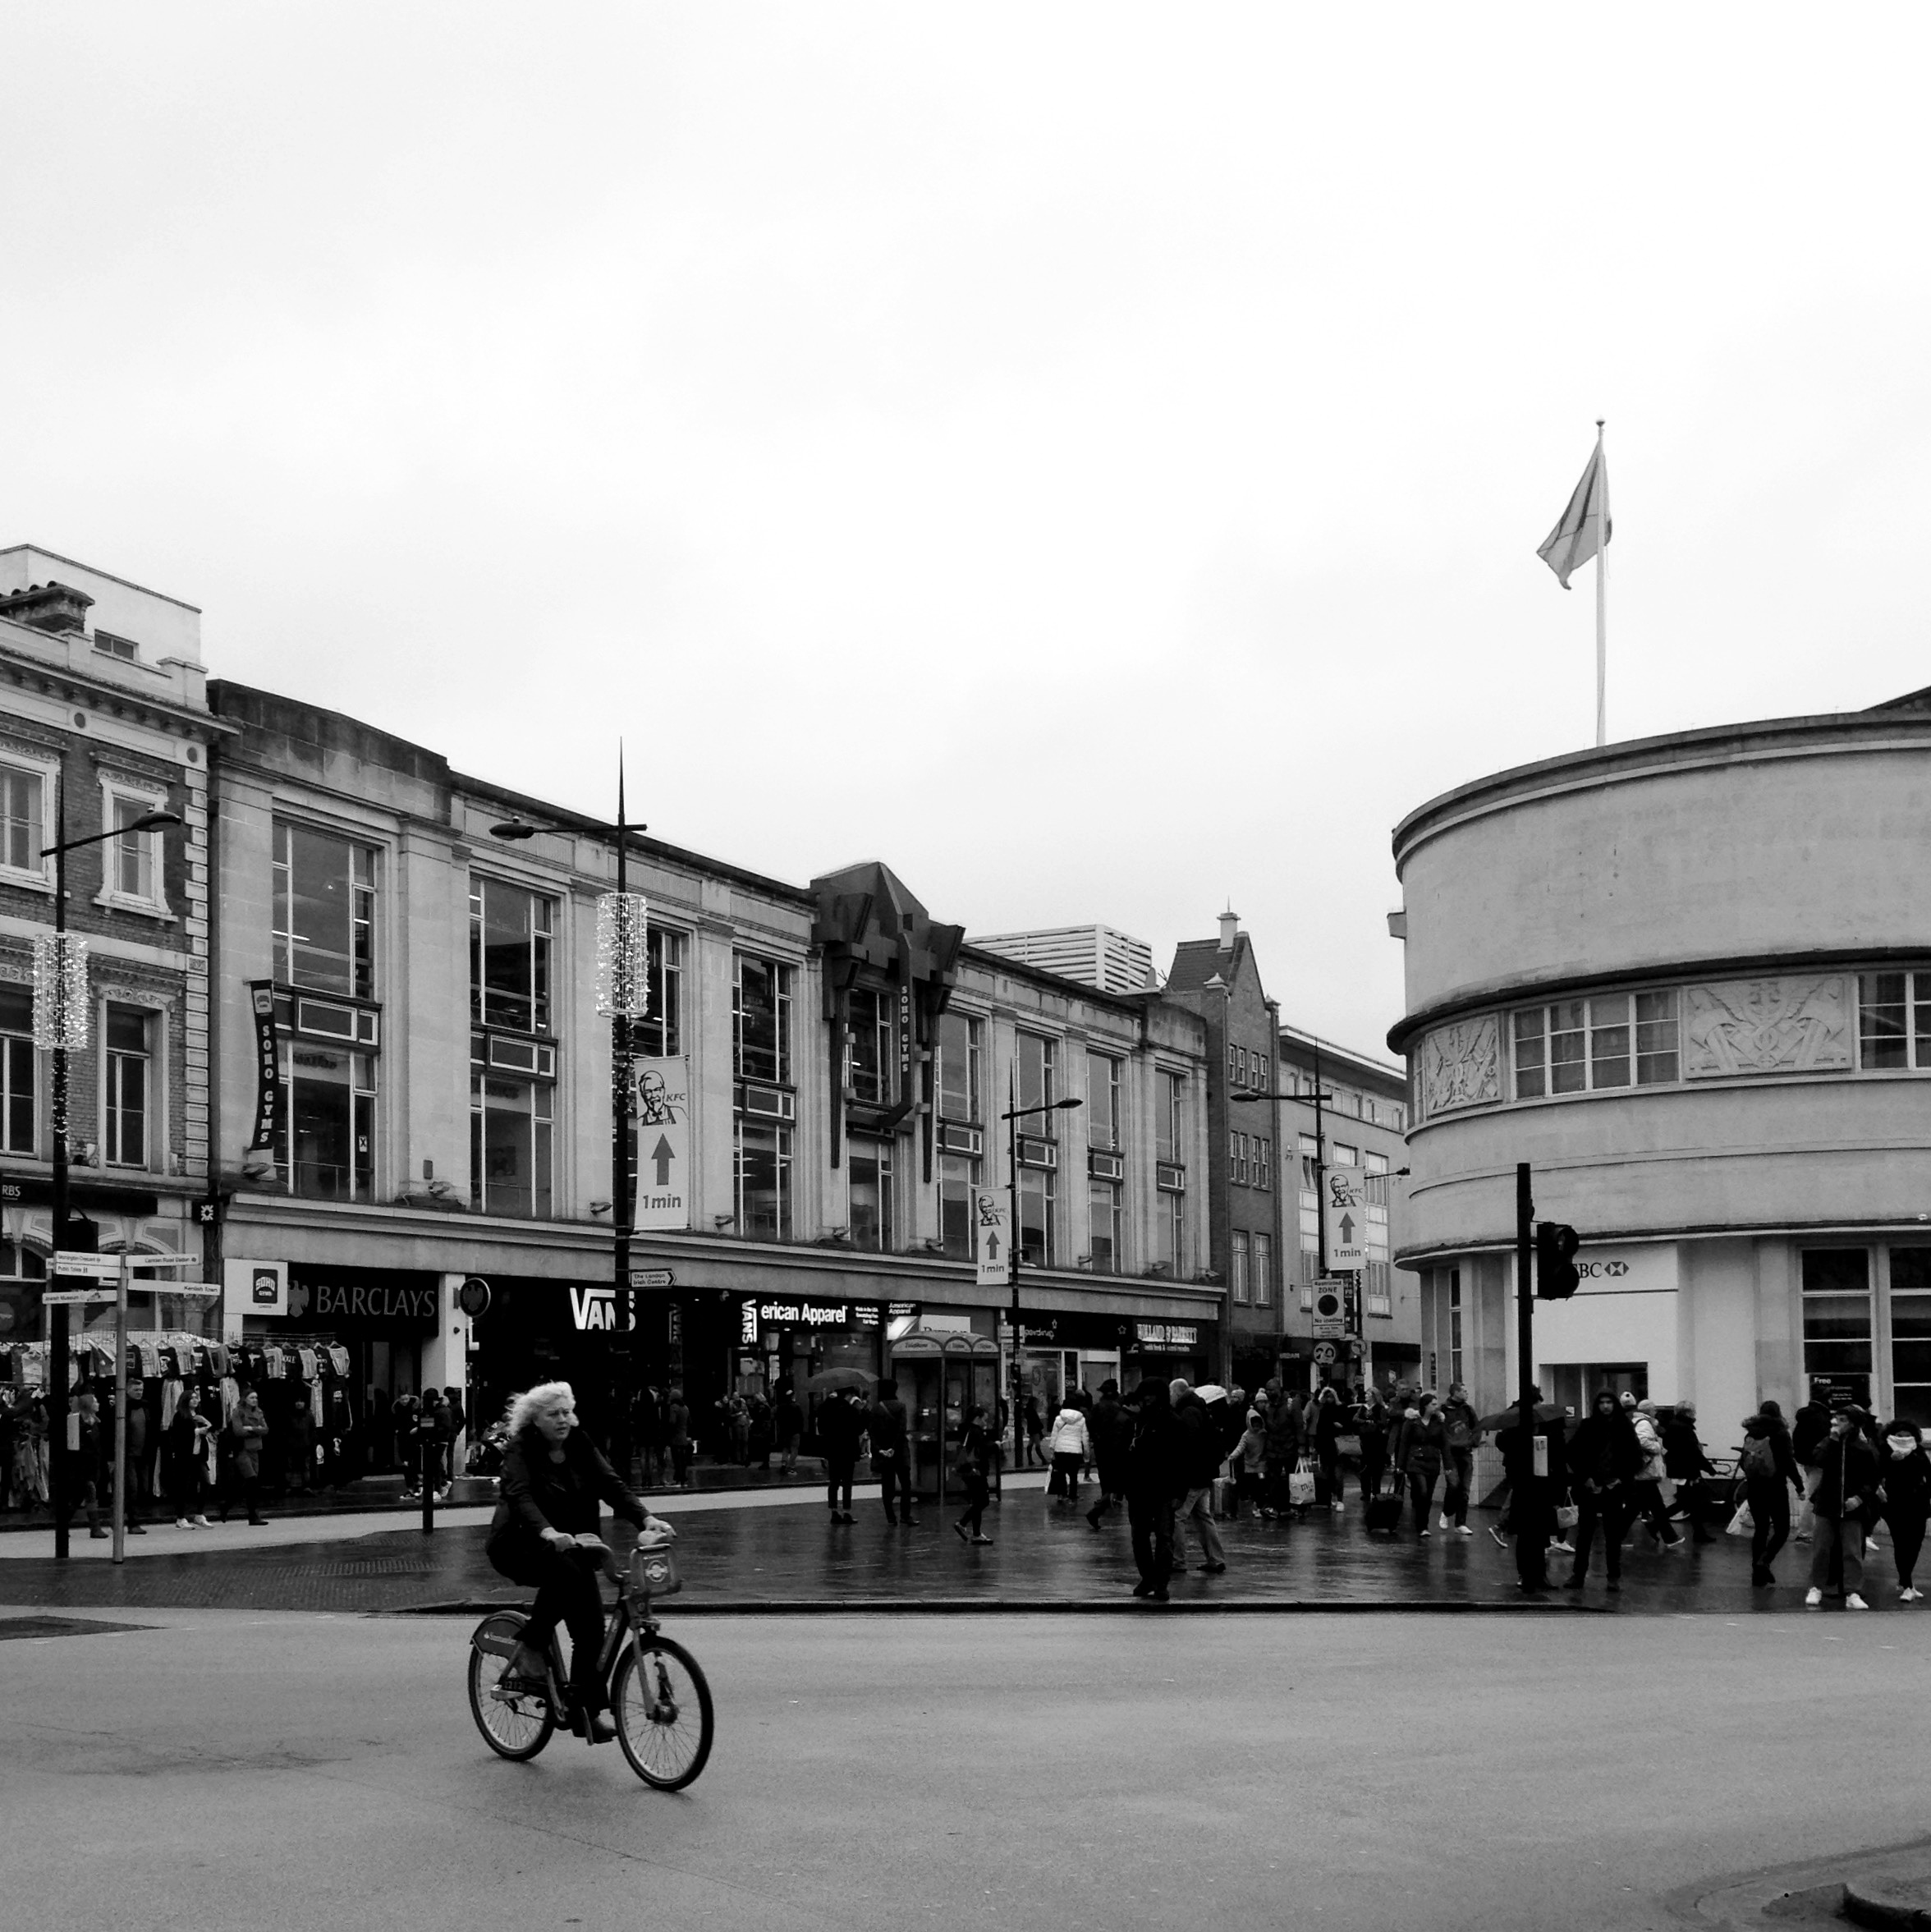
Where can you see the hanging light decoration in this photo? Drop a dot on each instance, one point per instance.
(623, 955)
(60, 992)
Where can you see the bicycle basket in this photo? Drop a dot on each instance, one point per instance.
(653, 1570)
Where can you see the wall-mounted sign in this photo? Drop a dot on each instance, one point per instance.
(268, 1086)
(757, 1317)
(1166, 1334)
(663, 1143)
(473, 1297)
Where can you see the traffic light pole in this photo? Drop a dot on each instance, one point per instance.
(1531, 1538)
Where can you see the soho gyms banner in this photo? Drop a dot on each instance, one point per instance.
(663, 1143)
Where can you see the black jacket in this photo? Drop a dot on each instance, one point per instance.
(1809, 1431)
(1759, 1428)
(887, 1423)
(1850, 1468)
(1907, 1487)
(1201, 1454)
(1110, 1432)
(1156, 1462)
(1604, 1451)
(538, 1494)
(1683, 1456)
(840, 1424)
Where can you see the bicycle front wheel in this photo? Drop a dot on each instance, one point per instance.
(663, 1708)
(514, 1724)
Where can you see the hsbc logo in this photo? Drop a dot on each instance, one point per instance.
(1601, 1270)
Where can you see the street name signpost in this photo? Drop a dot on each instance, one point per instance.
(652, 1278)
(1344, 1216)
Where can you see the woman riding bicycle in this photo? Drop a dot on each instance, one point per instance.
(544, 1537)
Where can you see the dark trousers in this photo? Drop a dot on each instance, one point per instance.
(1594, 1506)
(1421, 1493)
(679, 1462)
(839, 1469)
(974, 1480)
(1372, 1465)
(1151, 1520)
(569, 1595)
(1461, 1471)
(1769, 1508)
(1647, 1502)
(894, 1478)
(1907, 1538)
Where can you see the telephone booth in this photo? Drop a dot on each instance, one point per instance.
(940, 1376)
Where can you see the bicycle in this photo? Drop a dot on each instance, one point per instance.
(654, 1684)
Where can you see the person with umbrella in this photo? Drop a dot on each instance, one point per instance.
(1532, 1496)
(840, 1423)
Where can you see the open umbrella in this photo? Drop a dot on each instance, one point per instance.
(1545, 1412)
(826, 1378)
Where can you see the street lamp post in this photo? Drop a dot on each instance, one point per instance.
(62, 1027)
(1013, 1115)
(1320, 1157)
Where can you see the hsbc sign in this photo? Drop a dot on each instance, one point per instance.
(1650, 1269)
(1601, 1270)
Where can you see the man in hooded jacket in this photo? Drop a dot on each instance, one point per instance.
(1155, 1477)
(1605, 1461)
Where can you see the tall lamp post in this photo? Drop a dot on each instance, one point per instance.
(1320, 1098)
(60, 1025)
(623, 996)
(1013, 1115)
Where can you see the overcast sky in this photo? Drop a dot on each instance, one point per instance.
(1090, 457)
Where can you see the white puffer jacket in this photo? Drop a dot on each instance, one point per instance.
(1070, 1437)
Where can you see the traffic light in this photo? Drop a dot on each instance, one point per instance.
(1556, 1275)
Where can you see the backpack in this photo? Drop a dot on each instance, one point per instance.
(1757, 1460)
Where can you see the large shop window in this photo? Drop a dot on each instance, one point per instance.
(18, 1083)
(1910, 1333)
(958, 1069)
(23, 820)
(660, 1033)
(761, 1020)
(510, 931)
(1038, 1065)
(958, 1177)
(1103, 1102)
(329, 1102)
(1036, 1194)
(127, 1070)
(511, 1143)
(1103, 1211)
(324, 913)
(763, 1180)
(1170, 1137)
(869, 1166)
(1894, 1020)
(871, 1046)
(1836, 1312)
(1577, 1046)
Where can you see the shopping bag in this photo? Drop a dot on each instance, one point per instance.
(1301, 1485)
(1743, 1523)
(1347, 1445)
(1567, 1516)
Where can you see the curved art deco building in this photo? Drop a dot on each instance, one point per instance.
(1688, 978)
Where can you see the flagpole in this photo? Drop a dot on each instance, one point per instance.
(1602, 596)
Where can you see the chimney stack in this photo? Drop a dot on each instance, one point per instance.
(55, 608)
(1230, 930)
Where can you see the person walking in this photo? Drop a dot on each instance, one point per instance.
(1846, 1485)
(678, 1435)
(1250, 1465)
(1532, 1493)
(249, 1429)
(1072, 1446)
(1647, 1497)
(1032, 1428)
(1419, 1447)
(1769, 1472)
(1110, 1432)
(1330, 1418)
(1809, 1430)
(1605, 1462)
(1283, 1450)
(1906, 1476)
(1371, 1420)
(1462, 1431)
(81, 1467)
(839, 1424)
(1685, 1464)
(788, 1428)
(1155, 1480)
(975, 1450)
(892, 1444)
(184, 1455)
(1202, 1456)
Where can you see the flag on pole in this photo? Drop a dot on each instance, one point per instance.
(1572, 543)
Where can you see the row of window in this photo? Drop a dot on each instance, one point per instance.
(1347, 1100)
(1251, 1268)
(1606, 1041)
(1245, 1069)
(129, 1048)
(130, 874)
(1851, 1315)
(1251, 1158)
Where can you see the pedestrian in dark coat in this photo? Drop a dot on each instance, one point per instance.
(1156, 1478)
(1846, 1486)
(840, 1423)
(1419, 1445)
(1906, 1476)
(891, 1449)
(1769, 1471)
(1685, 1464)
(1605, 1461)
(1532, 1496)
(1330, 1420)
(1112, 1431)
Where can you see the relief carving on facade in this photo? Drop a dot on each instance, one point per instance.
(1770, 1026)
(1460, 1067)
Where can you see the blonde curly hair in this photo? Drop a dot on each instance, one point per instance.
(524, 1408)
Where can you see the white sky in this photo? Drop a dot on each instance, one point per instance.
(1090, 457)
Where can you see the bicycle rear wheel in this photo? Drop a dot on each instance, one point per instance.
(663, 1708)
(515, 1724)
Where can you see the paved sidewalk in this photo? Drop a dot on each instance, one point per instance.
(771, 1552)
